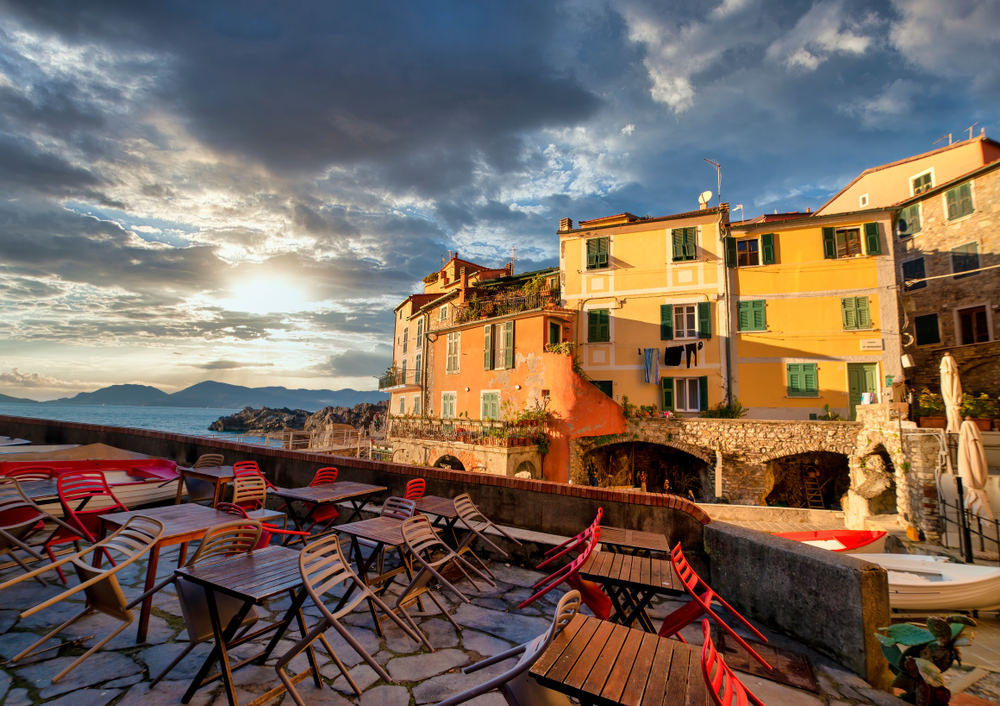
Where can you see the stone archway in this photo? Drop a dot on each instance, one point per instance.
(661, 468)
(875, 481)
(816, 479)
(449, 461)
(526, 469)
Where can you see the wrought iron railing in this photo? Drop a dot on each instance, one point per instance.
(395, 378)
(470, 431)
(505, 304)
(972, 531)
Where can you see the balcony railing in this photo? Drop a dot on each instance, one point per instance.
(396, 378)
(505, 304)
(470, 431)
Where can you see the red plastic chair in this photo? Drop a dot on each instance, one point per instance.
(267, 530)
(415, 489)
(726, 689)
(323, 513)
(702, 596)
(591, 593)
(573, 542)
(77, 490)
(249, 468)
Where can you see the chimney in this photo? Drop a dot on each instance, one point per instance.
(566, 224)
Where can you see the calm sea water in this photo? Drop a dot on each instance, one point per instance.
(179, 420)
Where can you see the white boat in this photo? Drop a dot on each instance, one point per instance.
(919, 583)
(11, 441)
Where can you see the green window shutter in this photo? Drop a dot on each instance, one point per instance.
(598, 326)
(488, 347)
(703, 393)
(848, 313)
(730, 249)
(864, 318)
(591, 255)
(666, 322)
(965, 198)
(952, 198)
(810, 379)
(677, 238)
(751, 316)
(690, 244)
(704, 320)
(508, 352)
(602, 251)
(872, 244)
(829, 244)
(666, 394)
(743, 316)
(794, 374)
(767, 249)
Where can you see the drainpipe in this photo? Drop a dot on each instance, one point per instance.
(723, 231)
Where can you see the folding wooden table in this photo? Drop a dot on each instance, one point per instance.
(602, 663)
(619, 539)
(631, 582)
(252, 578)
(445, 515)
(218, 476)
(353, 492)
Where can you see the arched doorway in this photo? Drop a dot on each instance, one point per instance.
(449, 461)
(664, 469)
(817, 480)
(525, 469)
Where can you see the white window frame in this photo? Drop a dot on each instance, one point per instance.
(449, 404)
(685, 310)
(917, 176)
(406, 339)
(689, 384)
(453, 358)
(443, 313)
(482, 400)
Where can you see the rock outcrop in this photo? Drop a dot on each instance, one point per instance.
(360, 417)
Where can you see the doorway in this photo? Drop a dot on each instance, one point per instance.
(861, 378)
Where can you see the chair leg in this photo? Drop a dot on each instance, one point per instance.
(92, 650)
(52, 633)
(173, 663)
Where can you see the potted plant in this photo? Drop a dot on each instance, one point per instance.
(931, 409)
(980, 409)
(918, 654)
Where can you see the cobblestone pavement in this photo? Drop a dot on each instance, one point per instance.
(120, 673)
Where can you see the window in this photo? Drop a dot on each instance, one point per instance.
(416, 404)
(921, 182)
(684, 243)
(451, 359)
(498, 346)
(846, 242)
(448, 405)
(598, 325)
(803, 380)
(914, 270)
(973, 326)
(959, 201)
(443, 313)
(747, 253)
(908, 222)
(965, 258)
(402, 405)
(420, 331)
(406, 339)
(927, 329)
(555, 333)
(402, 373)
(684, 394)
(751, 316)
(686, 321)
(417, 367)
(597, 253)
(605, 386)
(854, 312)
(863, 200)
(489, 405)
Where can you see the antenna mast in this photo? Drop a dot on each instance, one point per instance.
(718, 174)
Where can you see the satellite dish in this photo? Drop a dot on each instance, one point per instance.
(705, 197)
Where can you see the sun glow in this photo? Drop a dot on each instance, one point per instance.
(266, 295)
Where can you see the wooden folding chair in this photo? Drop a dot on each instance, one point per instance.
(324, 568)
(100, 586)
(517, 688)
(700, 604)
(200, 491)
(726, 689)
(20, 519)
(477, 525)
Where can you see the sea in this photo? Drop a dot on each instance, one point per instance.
(193, 421)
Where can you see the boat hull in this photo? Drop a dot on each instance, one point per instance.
(930, 584)
(844, 541)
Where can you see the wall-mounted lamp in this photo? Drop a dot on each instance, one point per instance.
(517, 387)
(466, 389)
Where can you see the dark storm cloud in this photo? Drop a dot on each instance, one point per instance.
(359, 318)
(354, 363)
(230, 365)
(24, 167)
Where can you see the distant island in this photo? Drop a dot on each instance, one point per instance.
(216, 394)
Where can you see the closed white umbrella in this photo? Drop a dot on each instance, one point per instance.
(972, 469)
(951, 392)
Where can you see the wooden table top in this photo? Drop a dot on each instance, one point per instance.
(609, 663)
(186, 519)
(437, 505)
(385, 530)
(208, 472)
(634, 539)
(329, 492)
(630, 570)
(256, 576)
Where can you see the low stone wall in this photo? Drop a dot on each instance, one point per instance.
(829, 601)
(497, 460)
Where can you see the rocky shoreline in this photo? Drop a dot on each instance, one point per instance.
(360, 417)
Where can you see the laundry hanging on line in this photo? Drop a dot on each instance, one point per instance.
(691, 349)
(651, 365)
(672, 355)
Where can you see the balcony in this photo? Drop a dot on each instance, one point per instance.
(399, 380)
(505, 304)
(471, 431)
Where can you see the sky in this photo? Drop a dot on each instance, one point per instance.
(243, 190)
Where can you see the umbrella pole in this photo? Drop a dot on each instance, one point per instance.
(965, 536)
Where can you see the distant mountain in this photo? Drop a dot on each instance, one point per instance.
(7, 399)
(220, 394)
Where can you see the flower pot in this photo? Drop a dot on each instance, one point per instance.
(934, 422)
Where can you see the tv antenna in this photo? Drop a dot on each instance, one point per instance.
(970, 128)
(943, 138)
(718, 174)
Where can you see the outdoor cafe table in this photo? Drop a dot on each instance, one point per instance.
(603, 663)
(619, 539)
(218, 476)
(252, 578)
(181, 524)
(445, 514)
(337, 492)
(631, 582)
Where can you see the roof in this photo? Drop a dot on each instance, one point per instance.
(986, 168)
(961, 143)
(625, 217)
(772, 217)
(806, 219)
(673, 217)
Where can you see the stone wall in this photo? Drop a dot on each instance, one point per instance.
(495, 460)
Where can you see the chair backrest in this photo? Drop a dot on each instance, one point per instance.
(83, 488)
(323, 568)
(724, 686)
(250, 491)
(30, 473)
(689, 578)
(415, 489)
(420, 537)
(477, 523)
(242, 468)
(222, 541)
(325, 476)
(398, 508)
(18, 513)
(209, 461)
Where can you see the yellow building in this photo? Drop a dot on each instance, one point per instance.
(814, 306)
(649, 293)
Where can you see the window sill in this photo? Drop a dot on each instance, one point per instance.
(802, 397)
